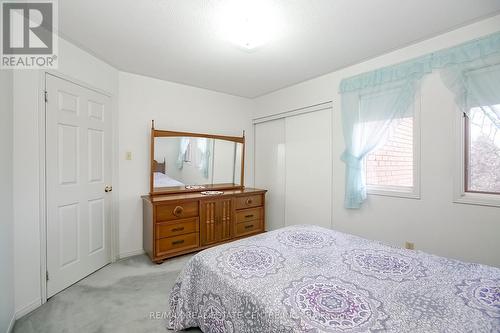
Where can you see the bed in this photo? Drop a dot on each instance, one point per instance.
(160, 178)
(311, 279)
(163, 180)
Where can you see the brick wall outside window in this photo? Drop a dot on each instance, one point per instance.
(392, 163)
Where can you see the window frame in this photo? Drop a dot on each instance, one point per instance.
(461, 195)
(402, 191)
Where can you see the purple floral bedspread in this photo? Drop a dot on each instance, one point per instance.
(311, 279)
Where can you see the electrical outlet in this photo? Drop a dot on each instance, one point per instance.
(409, 245)
(128, 156)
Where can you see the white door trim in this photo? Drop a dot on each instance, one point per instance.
(43, 180)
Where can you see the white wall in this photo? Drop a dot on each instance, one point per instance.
(6, 207)
(434, 223)
(173, 107)
(28, 86)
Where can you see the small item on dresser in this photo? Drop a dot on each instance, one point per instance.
(194, 187)
(212, 192)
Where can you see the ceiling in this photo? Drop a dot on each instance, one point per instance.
(179, 40)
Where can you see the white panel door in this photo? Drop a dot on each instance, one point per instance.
(308, 190)
(270, 169)
(78, 168)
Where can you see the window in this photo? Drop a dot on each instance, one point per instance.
(392, 163)
(392, 168)
(477, 168)
(482, 151)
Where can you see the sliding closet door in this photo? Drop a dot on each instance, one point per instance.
(270, 169)
(308, 194)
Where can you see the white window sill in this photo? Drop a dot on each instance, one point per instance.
(393, 191)
(481, 199)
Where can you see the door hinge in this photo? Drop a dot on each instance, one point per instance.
(47, 275)
(46, 95)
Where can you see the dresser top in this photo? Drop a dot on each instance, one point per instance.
(198, 195)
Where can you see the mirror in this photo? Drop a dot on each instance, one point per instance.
(195, 162)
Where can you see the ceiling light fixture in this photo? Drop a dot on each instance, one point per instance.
(249, 24)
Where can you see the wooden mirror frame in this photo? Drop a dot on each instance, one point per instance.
(163, 134)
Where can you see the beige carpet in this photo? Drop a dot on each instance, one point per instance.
(120, 297)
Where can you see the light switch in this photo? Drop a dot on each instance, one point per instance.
(128, 156)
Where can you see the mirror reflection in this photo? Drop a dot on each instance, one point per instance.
(193, 161)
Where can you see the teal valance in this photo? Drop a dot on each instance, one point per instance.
(416, 68)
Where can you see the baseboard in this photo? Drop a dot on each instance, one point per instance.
(130, 254)
(28, 308)
(11, 324)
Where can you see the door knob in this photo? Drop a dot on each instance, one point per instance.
(108, 188)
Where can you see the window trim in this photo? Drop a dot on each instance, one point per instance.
(402, 191)
(460, 195)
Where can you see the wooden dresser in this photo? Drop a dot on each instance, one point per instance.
(176, 224)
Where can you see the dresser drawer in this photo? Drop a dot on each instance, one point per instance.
(252, 214)
(176, 211)
(177, 243)
(248, 201)
(248, 227)
(176, 228)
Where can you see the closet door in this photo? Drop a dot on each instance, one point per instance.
(308, 190)
(270, 169)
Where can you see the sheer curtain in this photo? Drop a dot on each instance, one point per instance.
(365, 118)
(183, 145)
(476, 85)
(204, 150)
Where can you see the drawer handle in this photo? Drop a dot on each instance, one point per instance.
(177, 229)
(249, 226)
(248, 216)
(178, 211)
(249, 201)
(177, 242)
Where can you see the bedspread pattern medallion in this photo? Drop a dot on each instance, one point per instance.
(311, 279)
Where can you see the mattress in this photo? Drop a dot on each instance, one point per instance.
(311, 279)
(162, 180)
